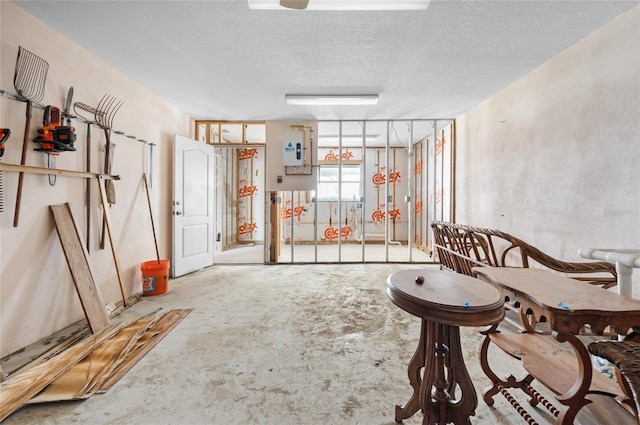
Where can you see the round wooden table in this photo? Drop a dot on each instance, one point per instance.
(444, 301)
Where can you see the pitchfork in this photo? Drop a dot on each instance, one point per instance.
(29, 80)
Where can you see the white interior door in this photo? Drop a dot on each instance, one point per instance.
(193, 214)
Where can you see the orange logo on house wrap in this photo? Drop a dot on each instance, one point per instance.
(248, 153)
(417, 169)
(379, 179)
(394, 177)
(331, 233)
(393, 214)
(379, 215)
(334, 157)
(247, 190)
(287, 212)
(247, 228)
(439, 146)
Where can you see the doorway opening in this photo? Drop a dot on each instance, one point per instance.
(239, 195)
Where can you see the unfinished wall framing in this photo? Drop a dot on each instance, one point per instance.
(372, 188)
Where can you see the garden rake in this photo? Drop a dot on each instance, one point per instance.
(107, 109)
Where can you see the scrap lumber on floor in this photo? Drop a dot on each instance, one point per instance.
(93, 365)
(41, 351)
(80, 380)
(19, 388)
(148, 340)
(107, 364)
(78, 261)
(53, 351)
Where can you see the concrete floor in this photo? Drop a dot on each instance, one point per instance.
(285, 344)
(330, 253)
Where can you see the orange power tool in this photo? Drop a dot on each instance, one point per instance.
(53, 136)
(4, 135)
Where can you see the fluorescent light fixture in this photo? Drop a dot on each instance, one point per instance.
(347, 5)
(329, 99)
(345, 139)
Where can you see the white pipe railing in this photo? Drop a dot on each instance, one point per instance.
(624, 259)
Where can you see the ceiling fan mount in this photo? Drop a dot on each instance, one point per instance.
(294, 4)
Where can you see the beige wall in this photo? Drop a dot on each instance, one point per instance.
(555, 157)
(37, 296)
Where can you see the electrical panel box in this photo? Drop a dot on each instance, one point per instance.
(293, 154)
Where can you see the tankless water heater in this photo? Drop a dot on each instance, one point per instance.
(293, 154)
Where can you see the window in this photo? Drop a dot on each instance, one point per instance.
(329, 184)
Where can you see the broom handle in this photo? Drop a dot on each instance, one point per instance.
(153, 227)
(88, 189)
(23, 161)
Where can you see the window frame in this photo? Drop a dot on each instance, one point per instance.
(340, 182)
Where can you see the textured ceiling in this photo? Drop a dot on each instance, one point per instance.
(220, 60)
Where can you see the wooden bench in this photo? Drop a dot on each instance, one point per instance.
(461, 247)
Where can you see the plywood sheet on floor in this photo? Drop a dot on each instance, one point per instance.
(103, 367)
(81, 379)
(19, 388)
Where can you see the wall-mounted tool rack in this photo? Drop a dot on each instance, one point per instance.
(108, 106)
(101, 180)
(12, 96)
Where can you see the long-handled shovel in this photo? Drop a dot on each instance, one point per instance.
(29, 80)
(77, 107)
